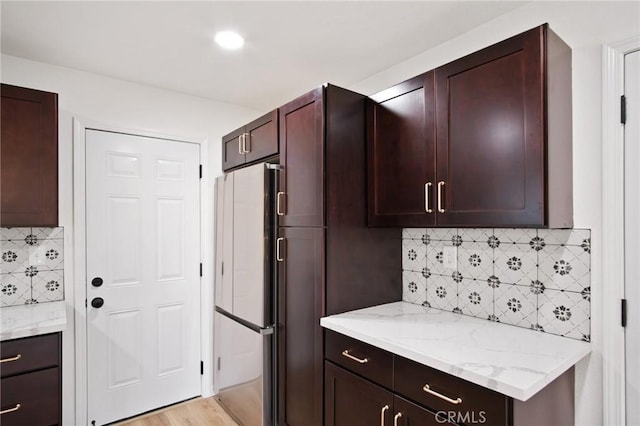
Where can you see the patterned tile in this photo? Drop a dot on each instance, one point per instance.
(475, 260)
(442, 234)
(515, 264)
(413, 255)
(413, 233)
(435, 261)
(442, 293)
(15, 289)
(414, 287)
(48, 233)
(573, 237)
(14, 234)
(48, 286)
(565, 268)
(515, 236)
(479, 235)
(14, 257)
(475, 298)
(47, 255)
(516, 305)
(564, 313)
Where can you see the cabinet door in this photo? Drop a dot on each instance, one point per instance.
(232, 150)
(401, 154)
(262, 137)
(29, 164)
(32, 398)
(490, 126)
(302, 158)
(301, 283)
(410, 414)
(352, 401)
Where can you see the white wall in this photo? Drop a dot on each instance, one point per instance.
(125, 105)
(585, 26)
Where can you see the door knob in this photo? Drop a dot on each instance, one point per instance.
(97, 302)
(96, 282)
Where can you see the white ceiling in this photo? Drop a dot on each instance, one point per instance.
(290, 47)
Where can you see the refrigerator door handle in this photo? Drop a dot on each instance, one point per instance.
(263, 331)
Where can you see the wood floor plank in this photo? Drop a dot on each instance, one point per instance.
(195, 412)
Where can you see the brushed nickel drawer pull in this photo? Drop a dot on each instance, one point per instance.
(395, 419)
(440, 185)
(279, 258)
(356, 359)
(427, 188)
(15, 358)
(279, 210)
(427, 389)
(384, 410)
(11, 410)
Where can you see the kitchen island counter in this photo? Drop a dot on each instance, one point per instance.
(514, 361)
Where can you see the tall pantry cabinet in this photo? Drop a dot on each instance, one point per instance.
(329, 260)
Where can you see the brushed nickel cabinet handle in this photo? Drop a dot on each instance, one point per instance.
(427, 190)
(356, 359)
(395, 419)
(384, 410)
(14, 358)
(246, 142)
(240, 151)
(279, 210)
(428, 390)
(440, 185)
(11, 410)
(278, 257)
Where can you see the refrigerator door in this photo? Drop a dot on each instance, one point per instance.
(244, 288)
(244, 371)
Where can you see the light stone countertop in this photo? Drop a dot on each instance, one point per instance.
(514, 361)
(32, 320)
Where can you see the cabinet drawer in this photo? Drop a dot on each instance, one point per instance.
(351, 354)
(476, 402)
(32, 353)
(38, 395)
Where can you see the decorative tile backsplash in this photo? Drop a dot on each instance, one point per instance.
(533, 278)
(32, 267)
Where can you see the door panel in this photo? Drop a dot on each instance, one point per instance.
(490, 124)
(263, 137)
(300, 303)
(143, 241)
(401, 154)
(302, 160)
(632, 236)
(414, 415)
(350, 400)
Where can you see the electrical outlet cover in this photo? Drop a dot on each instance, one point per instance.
(450, 257)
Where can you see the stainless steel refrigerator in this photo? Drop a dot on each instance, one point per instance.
(245, 294)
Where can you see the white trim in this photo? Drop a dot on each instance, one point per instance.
(613, 355)
(79, 242)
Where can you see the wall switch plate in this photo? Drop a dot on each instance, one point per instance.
(450, 257)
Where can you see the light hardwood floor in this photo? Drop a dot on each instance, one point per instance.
(195, 412)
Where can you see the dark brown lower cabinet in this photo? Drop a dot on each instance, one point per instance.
(300, 340)
(353, 401)
(31, 385)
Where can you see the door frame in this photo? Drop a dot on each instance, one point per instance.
(80, 126)
(613, 344)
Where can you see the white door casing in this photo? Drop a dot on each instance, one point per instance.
(632, 235)
(143, 240)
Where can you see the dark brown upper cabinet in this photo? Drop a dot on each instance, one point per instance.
(502, 145)
(301, 198)
(402, 154)
(248, 144)
(29, 162)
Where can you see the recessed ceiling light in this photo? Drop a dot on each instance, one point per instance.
(229, 40)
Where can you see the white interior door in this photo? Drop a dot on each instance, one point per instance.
(632, 236)
(143, 242)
